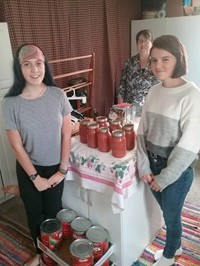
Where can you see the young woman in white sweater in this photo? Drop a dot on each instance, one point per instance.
(168, 139)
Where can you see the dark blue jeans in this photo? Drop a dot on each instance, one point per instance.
(42, 205)
(171, 201)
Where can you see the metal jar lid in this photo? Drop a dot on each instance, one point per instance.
(128, 127)
(103, 129)
(50, 226)
(85, 121)
(118, 133)
(101, 119)
(66, 215)
(81, 224)
(115, 122)
(92, 125)
(81, 248)
(97, 234)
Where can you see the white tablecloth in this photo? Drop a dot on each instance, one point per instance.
(103, 173)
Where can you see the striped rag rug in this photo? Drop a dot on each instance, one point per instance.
(16, 246)
(190, 240)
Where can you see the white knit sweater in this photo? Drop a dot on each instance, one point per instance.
(169, 127)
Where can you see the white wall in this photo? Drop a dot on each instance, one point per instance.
(186, 28)
(7, 159)
(6, 59)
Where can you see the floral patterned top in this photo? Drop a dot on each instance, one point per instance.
(135, 82)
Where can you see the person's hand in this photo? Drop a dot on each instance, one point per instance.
(155, 186)
(147, 178)
(41, 183)
(55, 179)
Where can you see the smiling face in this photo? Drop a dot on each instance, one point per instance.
(33, 71)
(162, 64)
(32, 64)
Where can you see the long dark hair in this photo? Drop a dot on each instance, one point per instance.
(19, 81)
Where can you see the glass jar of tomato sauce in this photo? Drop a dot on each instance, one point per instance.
(118, 143)
(102, 121)
(92, 129)
(83, 130)
(130, 136)
(104, 139)
(115, 124)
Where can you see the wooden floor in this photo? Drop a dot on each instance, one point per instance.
(14, 209)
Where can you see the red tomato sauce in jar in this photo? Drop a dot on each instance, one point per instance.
(130, 136)
(102, 121)
(115, 124)
(92, 129)
(118, 143)
(83, 130)
(104, 139)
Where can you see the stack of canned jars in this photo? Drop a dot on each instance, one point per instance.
(107, 136)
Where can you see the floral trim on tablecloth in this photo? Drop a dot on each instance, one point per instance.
(90, 162)
(120, 169)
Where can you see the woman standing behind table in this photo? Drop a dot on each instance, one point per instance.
(137, 77)
(168, 139)
(38, 125)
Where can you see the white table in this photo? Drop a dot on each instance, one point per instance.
(107, 190)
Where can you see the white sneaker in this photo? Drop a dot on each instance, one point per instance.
(159, 253)
(164, 262)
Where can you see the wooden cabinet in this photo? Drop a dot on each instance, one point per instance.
(81, 69)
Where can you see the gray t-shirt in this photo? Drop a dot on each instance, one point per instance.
(39, 123)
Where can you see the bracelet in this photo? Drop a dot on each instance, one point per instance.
(63, 171)
(61, 174)
(63, 162)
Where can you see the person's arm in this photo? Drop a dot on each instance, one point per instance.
(143, 163)
(66, 141)
(24, 160)
(65, 151)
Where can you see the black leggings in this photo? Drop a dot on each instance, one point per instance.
(42, 205)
